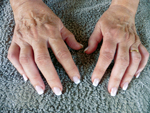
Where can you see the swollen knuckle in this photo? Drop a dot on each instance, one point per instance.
(11, 56)
(24, 59)
(42, 59)
(108, 54)
(99, 70)
(137, 57)
(117, 79)
(147, 54)
(62, 54)
(124, 61)
(72, 69)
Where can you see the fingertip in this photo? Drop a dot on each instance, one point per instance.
(57, 91)
(39, 89)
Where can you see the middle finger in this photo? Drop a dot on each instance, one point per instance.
(121, 64)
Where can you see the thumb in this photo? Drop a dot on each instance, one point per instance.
(69, 38)
(94, 40)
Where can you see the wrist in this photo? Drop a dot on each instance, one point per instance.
(131, 5)
(16, 3)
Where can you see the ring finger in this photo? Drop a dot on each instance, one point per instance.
(29, 66)
(135, 58)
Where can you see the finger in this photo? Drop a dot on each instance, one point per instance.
(106, 56)
(70, 39)
(29, 66)
(64, 57)
(135, 58)
(13, 56)
(121, 64)
(43, 61)
(145, 55)
(94, 40)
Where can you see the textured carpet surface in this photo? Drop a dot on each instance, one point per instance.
(80, 17)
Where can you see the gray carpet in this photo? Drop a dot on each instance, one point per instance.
(80, 17)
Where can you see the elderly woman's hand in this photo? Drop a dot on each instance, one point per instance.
(120, 42)
(36, 29)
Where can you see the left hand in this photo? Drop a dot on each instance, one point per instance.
(120, 42)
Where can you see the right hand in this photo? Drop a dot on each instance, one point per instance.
(36, 29)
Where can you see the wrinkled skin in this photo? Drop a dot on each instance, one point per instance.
(120, 40)
(38, 28)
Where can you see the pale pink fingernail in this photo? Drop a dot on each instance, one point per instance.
(86, 49)
(39, 90)
(137, 76)
(113, 91)
(96, 82)
(81, 45)
(24, 77)
(125, 86)
(76, 80)
(57, 91)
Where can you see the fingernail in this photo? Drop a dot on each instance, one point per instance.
(125, 86)
(24, 77)
(57, 91)
(86, 49)
(137, 76)
(76, 80)
(113, 91)
(96, 82)
(39, 90)
(81, 45)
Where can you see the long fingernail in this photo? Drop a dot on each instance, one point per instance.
(81, 45)
(96, 82)
(24, 77)
(39, 90)
(113, 91)
(86, 49)
(57, 91)
(137, 76)
(76, 80)
(125, 86)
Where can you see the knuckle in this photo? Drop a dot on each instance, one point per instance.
(108, 54)
(137, 58)
(147, 54)
(11, 55)
(117, 79)
(62, 54)
(99, 70)
(42, 59)
(123, 60)
(24, 59)
(72, 69)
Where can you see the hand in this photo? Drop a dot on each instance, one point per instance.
(36, 29)
(120, 42)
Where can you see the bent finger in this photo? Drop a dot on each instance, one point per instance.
(27, 61)
(145, 55)
(13, 56)
(135, 58)
(64, 57)
(44, 63)
(121, 64)
(70, 39)
(107, 53)
(94, 40)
